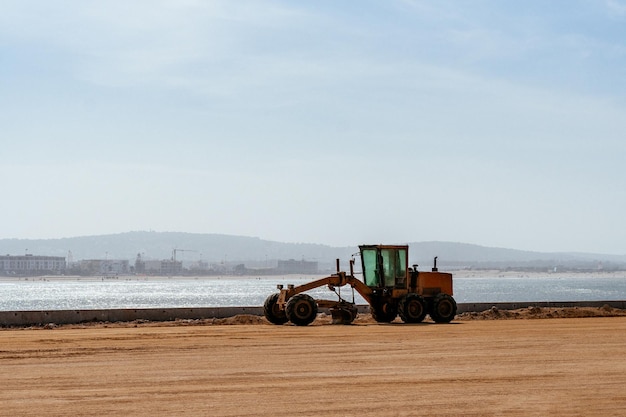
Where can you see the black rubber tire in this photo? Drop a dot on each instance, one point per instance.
(443, 308)
(384, 312)
(412, 308)
(271, 311)
(301, 309)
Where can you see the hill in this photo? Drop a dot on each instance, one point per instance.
(229, 249)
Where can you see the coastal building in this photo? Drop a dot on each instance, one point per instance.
(104, 267)
(166, 267)
(171, 267)
(31, 265)
(293, 266)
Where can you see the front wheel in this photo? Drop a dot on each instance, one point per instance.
(384, 312)
(412, 308)
(443, 308)
(301, 309)
(272, 312)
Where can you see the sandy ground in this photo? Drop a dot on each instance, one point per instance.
(471, 367)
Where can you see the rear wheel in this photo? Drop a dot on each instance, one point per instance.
(412, 308)
(272, 312)
(301, 309)
(384, 312)
(443, 309)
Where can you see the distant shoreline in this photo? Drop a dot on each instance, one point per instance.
(494, 273)
(462, 273)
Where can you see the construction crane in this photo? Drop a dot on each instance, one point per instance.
(180, 250)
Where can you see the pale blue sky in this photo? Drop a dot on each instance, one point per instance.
(336, 122)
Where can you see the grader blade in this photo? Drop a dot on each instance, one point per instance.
(343, 315)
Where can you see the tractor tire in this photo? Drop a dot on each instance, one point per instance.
(443, 308)
(412, 308)
(271, 311)
(301, 309)
(384, 312)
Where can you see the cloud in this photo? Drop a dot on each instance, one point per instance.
(144, 41)
(616, 8)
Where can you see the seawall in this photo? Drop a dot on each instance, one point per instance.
(27, 318)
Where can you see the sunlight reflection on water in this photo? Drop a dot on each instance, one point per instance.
(142, 292)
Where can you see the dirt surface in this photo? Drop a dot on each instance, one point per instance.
(533, 312)
(471, 367)
(494, 313)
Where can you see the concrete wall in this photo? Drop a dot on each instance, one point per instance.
(22, 318)
(26, 318)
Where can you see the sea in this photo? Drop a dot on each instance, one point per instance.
(120, 292)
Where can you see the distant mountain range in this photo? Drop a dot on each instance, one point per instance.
(241, 249)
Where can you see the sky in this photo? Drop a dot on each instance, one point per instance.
(495, 123)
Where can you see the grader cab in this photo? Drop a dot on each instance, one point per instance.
(390, 286)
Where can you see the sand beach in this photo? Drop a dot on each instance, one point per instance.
(572, 364)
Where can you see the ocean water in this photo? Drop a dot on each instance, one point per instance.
(54, 293)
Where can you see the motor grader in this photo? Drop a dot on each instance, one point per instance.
(389, 286)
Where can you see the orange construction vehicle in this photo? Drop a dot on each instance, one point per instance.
(389, 286)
